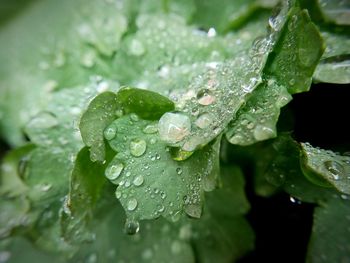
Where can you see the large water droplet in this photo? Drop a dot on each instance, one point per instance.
(173, 127)
(205, 97)
(132, 204)
(138, 147)
(110, 132)
(204, 120)
(131, 226)
(138, 180)
(263, 133)
(114, 170)
(335, 169)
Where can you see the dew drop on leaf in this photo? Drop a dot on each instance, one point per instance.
(114, 170)
(205, 97)
(204, 120)
(110, 132)
(131, 227)
(136, 48)
(262, 132)
(138, 147)
(173, 127)
(179, 170)
(138, 180)
(118, 193)
(132, 204)
(335, 169)
(150, 129)
(134, 117)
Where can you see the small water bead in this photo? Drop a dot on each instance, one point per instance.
(110, 132)
(134, 117)
(132, 204)
(138, 180)
(138, 147)
(179, 170)
(150, 129)
(118, 193)
(173, 127)
(136, 48)
(114, 170)
(204, 120)
(88, 59)
(205, 97)
(131, 227)
(336, 169)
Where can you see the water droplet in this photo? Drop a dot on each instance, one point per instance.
(138, 180)
(211, 32)
(118, 193)
(147, 254)
(205, 97)
(114, 170)
(336, 169)
(131, 226)
(45, 187)
(179, 170)
(136, 48)
(110, 132)
(173, 127)
(132, 204)
(150, 129)
(137, 147)
(204, 120)
(88, 59)
(134, 117)
(263, 133)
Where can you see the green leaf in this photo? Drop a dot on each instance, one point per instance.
(333, 70)
(334, 65)
(329, 166)
(107, 106)
(151, 53)
(336, 11)
(330, 232)
(222, 234)
(220, 15)
(297, 52)
(256, 120)
(64, 53)
(146, 104)
(12, 169)
(150, 183)
(86, 183)
(28, 252)
(13, 215)
(100, 113)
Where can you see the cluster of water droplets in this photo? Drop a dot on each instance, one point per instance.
(333, 167)
(256, 121)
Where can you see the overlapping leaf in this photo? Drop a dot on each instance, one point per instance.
(150, 183)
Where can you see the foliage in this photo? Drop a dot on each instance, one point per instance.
(121, 114)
